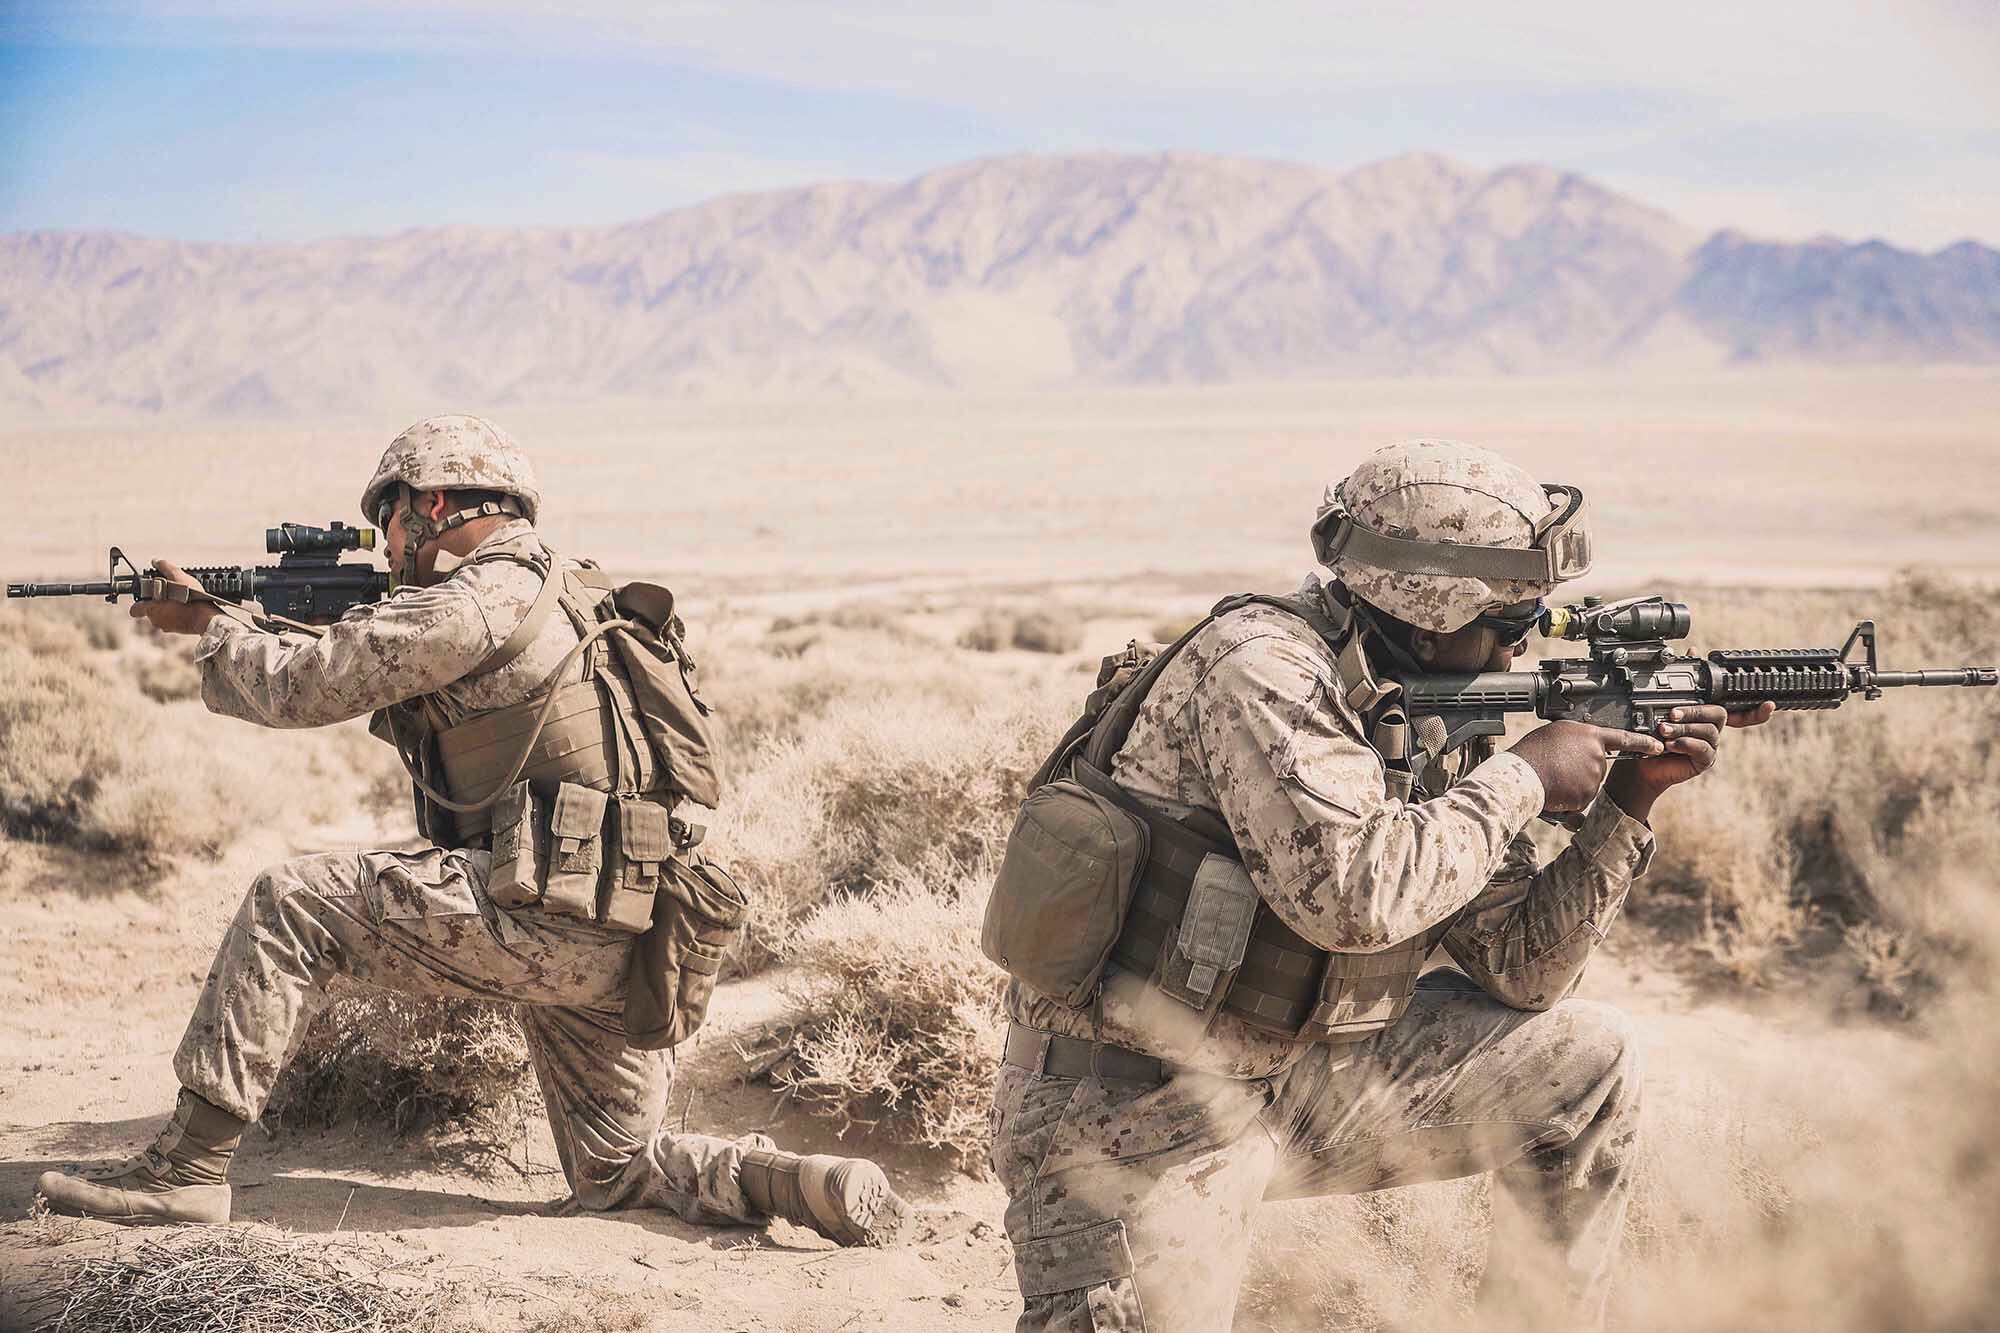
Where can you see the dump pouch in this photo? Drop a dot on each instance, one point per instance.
(576, 851)
(1065, 884)
(520, 847)
(698, 910)
(645, 845)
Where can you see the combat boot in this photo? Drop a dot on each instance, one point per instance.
(845, 1199)
(182, 1177)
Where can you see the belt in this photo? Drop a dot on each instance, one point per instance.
(1067, 1057)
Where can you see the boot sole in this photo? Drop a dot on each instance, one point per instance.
(72, 1197)
(877, 1215)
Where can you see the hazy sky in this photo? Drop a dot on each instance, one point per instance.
(262, 119)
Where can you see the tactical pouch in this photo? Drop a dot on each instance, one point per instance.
(520, 848)
(1065, 884)
(645, 845)
(576, 851)
(674, 965)
(1198, 961)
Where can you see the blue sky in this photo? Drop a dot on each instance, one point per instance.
(232, 120)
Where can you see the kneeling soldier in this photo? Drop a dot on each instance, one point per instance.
(1217, 901)
(551, 727)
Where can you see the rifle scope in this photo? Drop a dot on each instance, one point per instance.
(1642, 620)
(299, 539)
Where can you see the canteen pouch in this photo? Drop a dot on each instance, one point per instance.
(645, 845)
(576, 851)
(520, 849)
(1065, 884)
(1198, 961)
(698, 910)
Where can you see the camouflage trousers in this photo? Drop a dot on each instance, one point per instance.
(1129, 1204)
(421, 923)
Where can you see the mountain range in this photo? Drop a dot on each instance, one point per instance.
(1027, 271)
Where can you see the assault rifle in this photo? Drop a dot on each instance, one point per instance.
(308, 583)
(1632, 678)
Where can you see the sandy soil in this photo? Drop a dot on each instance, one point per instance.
(1819, 478)
(93, 1000)
(99, 981)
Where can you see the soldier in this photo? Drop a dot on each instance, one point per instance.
(446, 664)
(1259, 1030)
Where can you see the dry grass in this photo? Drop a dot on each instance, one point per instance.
(1884, 814)
(416, 1067)
(898, 1013)
(91, 758)
(251, 1280)
(869, 754)
(876, 770)
(1037, 630)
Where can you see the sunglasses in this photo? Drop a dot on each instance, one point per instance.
(1512, 623)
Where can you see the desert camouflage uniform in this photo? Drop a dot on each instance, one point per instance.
(1130, 1203)
(420, 922)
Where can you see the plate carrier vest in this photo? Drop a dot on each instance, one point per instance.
(592, 732)
(1284, 985)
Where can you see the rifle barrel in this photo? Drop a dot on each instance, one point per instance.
(1937, 676)
(111, 589)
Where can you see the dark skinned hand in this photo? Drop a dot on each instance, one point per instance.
(1692, 734)
(1572, 758)
(168, 616)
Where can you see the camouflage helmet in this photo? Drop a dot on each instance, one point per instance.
(453, 453)
(1436, 533)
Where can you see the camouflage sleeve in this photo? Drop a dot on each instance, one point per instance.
(374, 656)
(1527, 938)
(1343, 863)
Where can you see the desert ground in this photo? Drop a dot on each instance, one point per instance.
(898, 604)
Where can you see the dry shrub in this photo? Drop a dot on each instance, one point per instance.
(874, 788)
(899, 1013)
(1041, 630)
(773, 686)
(1820, 822)
(848, 616)
(410, 1065)
(252, 1280)
(165, 676)
(98, 749)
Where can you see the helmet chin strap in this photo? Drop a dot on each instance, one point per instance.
(1371, 629)
(420, 530)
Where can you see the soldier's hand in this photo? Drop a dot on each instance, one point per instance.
(1691, 733)
(1572, 759)
(170, 616)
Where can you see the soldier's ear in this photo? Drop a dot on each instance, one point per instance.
(436, 505)
(1424, 644)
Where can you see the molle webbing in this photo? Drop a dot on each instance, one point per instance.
(1287, 986)
(579, 744)
(1279, 982)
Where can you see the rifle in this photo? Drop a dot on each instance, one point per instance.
(309, 582)
(1632, 678)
